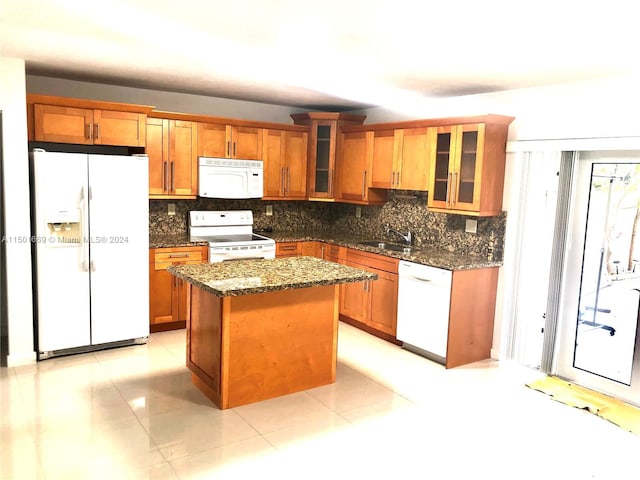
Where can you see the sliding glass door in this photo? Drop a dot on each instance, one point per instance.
(598, 343)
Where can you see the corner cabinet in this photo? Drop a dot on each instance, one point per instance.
(324, 143)
(167, 293)
(284, 156)
(173, 164)
(353, 170)
(371, 305)
(85, 122)
(467, 169)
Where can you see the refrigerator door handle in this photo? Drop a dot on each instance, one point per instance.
(93, 266)
(83, 239)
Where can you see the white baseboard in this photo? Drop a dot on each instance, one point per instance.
(19, 359)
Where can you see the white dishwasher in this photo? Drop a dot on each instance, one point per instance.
(424, 293)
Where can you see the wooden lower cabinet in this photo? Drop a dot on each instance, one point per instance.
(167, 293)
(288, 249)
(372, 305)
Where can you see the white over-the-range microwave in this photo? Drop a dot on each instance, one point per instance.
(229, 178)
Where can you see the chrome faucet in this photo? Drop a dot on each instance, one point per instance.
(406, 238)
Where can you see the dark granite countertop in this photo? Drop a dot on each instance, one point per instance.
(166, 240)
(230, 279)
(431, 256)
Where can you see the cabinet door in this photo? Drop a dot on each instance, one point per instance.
(119, 128)
(295, 163)
(383, 311)
(183, 162)
(212, 140)
(246, 143)
(161, 305)
(312, 249)
(414, 152)
(354, 298)
(442, 165)
(352, 166)
(63, 124)
(322, 161)
(382, 165)
(157, 149)
(273, 170)
(468, 167)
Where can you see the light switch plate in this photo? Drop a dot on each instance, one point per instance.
(471, 225)
(171, 209)
(358, 212)
(269, 210)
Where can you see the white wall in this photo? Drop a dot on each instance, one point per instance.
(595, 109)
(17, 215)
(166, 101)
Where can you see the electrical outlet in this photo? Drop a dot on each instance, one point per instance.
(171, 209)
(358, 212)
(471, 225)
(269, 210)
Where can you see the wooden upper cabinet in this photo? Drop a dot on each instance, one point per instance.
(284, 154)
(212, 140)
(354, 169)
(324, 143)
(401, 158)
(413, 158)
(173, 167)
(68, 120)
(119, 128)
(383, 168)
(467, 169)
(229, 141)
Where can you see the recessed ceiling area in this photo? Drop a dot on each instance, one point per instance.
(336, 54)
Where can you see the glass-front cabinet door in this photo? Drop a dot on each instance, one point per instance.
(456, 168)
(441, 168)
(323, 168)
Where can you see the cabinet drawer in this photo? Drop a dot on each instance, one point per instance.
(372, 260)
(165, 257)
(288, 249)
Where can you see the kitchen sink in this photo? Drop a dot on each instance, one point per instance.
(388, 246)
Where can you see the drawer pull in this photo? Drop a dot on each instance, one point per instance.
(179, 255)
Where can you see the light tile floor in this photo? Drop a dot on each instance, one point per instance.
(133, 413)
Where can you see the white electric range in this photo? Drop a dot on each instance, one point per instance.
(230, 235)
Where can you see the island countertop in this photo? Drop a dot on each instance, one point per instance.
(245, 277)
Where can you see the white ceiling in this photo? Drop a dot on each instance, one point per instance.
(330, 54)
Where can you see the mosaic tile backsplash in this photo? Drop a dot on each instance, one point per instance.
(403, 211)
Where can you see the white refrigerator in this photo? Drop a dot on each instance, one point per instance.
(90, 216)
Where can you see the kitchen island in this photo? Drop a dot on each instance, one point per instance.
(258, 329)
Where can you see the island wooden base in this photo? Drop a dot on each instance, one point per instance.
(249, 348)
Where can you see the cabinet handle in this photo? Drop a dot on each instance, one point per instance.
(288, 247)
(165, 172)
(282, 187)
(449, 182)
(228, 148)
(364, 183)
(89, 131)
(454, 190)
(97, 131)
(330, 192)
(173, 171)
(234, 149)
(178, 255)
(322, 252)
(288, 180)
